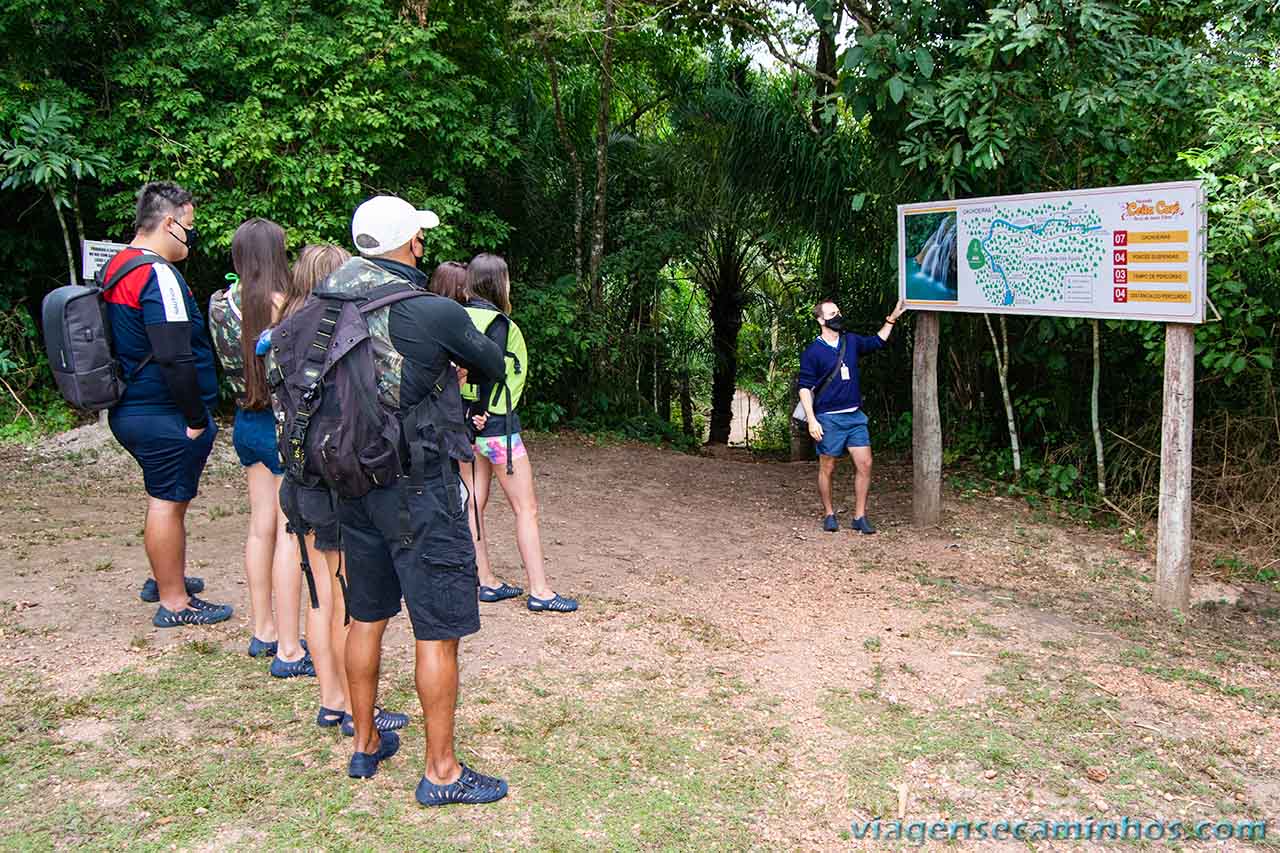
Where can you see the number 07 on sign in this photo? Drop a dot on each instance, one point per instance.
(1122, 253)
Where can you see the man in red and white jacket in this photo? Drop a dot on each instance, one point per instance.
(163, 418)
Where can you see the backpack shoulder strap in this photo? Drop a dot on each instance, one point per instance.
(127, 267)
(398, 295)
(501, 323)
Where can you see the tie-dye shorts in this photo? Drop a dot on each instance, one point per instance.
(494, 448)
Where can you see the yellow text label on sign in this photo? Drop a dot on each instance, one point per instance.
(1159, 296)
(1159, 257)
(1158, 236)
(1159, 276)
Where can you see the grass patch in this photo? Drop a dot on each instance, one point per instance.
(204, 749)
(1038, 731)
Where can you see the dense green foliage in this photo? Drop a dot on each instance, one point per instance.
(728, 190)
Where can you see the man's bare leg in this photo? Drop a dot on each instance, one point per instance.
(364, 663)
(165, 539)
(436, 677)
(861, 479)
(826, 470)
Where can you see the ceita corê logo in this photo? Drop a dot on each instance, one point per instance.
(1150, 209)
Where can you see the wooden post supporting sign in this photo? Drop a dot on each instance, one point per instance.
(926, 424)
(1173, 537)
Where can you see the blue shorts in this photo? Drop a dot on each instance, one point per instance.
(254, 437)
(171, 463)
(842, 431)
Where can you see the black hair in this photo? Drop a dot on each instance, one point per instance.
(159, 199)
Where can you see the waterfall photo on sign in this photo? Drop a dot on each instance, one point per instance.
(931, 256)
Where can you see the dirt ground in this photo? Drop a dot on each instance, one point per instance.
(1004, 665)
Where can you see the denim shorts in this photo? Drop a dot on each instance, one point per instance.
(254, 437)
(842, 431)
(171, 463)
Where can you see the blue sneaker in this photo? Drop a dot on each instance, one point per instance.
(364, 764)
(830, 524)
(862, 524)
(383, 721)
(196, 612)
(293, 669)
(261, 649)
(471, 787)
(150, 593)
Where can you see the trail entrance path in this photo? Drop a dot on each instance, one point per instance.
(736, 678)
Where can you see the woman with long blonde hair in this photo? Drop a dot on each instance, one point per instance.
(313, 512)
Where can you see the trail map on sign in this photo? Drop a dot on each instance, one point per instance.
(1128, 252)
(1031, 255)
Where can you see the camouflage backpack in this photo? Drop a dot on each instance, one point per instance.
(224, 328)
(335, 386)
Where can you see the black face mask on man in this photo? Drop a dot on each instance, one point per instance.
(190, 236)
(836, 323)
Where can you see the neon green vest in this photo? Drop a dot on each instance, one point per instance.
(517, 358)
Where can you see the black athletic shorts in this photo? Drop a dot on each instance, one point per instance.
(311, 509)
(431, 564)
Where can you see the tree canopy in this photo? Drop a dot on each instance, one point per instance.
(676, 183)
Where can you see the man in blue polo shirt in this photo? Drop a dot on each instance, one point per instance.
(163, 419)
(837, 423)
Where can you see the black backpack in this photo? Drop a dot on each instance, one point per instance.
(335, 384)
(77, 339)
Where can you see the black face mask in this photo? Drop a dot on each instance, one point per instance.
(191, 234)
(836, 323)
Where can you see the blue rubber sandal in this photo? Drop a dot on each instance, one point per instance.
(364, 764)
(196, 612)
(383, 721)
(293, 668)
(327, 718)
(499, 593)
(556, 604)
(150, 593)
(261, 648)
(471, 787)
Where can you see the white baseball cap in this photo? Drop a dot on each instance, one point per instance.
(384, 223)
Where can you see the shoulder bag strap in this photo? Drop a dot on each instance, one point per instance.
(822, 386)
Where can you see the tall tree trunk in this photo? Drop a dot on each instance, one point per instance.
(726, 323)
(1002, 370)
(72, 278)
(602, 157)
(828, 261)
(773, 349)
(75, 206)
(1097, 431)
(571, 151)
(686, 403)
(801, 441)
(664, 389)
(646, 334)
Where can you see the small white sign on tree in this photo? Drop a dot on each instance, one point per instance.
(94, 254)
